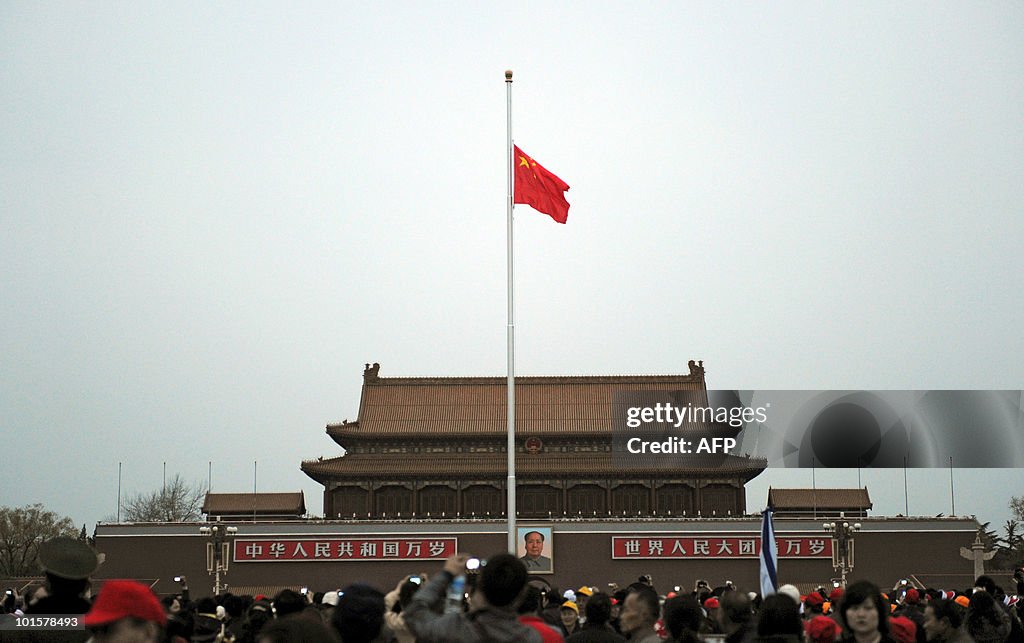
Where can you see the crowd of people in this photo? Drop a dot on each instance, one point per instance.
(496, 600)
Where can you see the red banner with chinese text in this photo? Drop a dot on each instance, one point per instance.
(692, 547)
(324, 549)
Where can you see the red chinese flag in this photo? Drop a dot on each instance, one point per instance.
(538, 188)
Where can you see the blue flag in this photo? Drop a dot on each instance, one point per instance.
(769, 554)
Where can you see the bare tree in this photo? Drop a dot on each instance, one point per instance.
(1017, 506)
(22, 529)
(177, 501)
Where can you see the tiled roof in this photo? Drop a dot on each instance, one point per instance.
(397, 407)
(789, 499)
(286, 504)
(447, 465)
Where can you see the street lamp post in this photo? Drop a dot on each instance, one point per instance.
(217, 552)
(842, 545)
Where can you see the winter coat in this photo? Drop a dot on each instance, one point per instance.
(487, 625)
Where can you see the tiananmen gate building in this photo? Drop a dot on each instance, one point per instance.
(421, 474)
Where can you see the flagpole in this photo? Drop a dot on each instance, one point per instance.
(511, 446)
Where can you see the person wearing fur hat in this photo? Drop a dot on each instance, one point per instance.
(68, 564)
(125, 612)
(813, 605)
(910, 607)
(903, 629)
(822, 629)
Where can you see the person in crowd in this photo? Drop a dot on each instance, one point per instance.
(814, 605)
(583, 595)
(639, 614)
(550, 603)
(10, 601)
(779, 620)
(234, 611)
(395, 602)
(711, 623)
(288, 602)
(903, 629)
(683, 619)
(492, 617)
(206, 627)
(328, 602)
(359, 616)
(125, 612)
(701, 591)
(986, 621)
(735, 616)
(910, 607)
(822, 629)
(295, 630)
(68, 564)
(31, 594)
(177, 631)
(570, 616)
(792, 592)
(864, 614)
(943, 620)
(597, 629)
(529, 615)
(256, 617)
(618, 598)
(171, 604)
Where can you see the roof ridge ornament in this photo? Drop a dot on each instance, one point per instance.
(696, 368)
(370, 373)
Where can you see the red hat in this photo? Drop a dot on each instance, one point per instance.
(711, 603)
(822, 629)
(835, 595)
(913, 596)
(814, 598)
(903, 629)
(120, 599)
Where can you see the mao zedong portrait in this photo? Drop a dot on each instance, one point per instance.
(534, 559)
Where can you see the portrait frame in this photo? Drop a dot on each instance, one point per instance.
(545, 564)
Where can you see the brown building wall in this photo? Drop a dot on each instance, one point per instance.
(885, 551)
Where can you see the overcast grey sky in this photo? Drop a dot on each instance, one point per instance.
(213, 214)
